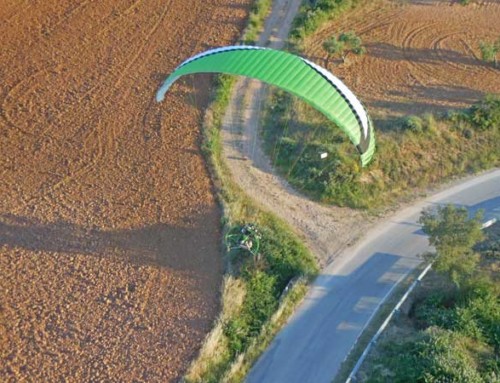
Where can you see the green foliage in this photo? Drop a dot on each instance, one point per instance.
(260, 9)
(453, 235)
(312, 16)
(480, 302)
(333, 46)
(352, 42)
(286, 257)
(489, 51)
(260, 303)
(473, 312)
(281, 258)
(434, 355)
(434, 311)
(347, 42)
(486, 114)
(419, 125)
(413, 124)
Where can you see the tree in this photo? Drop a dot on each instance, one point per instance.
(489, 51)
(346, 43)
(333, 47)
(453, 235)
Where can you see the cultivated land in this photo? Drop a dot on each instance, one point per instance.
(109, 231)
(422, 55)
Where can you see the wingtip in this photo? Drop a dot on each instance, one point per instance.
(159, 97)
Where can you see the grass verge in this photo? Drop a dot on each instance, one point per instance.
(418, 152)
(254, 307)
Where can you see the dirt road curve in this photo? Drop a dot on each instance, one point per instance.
(109, 234)
(326, 229)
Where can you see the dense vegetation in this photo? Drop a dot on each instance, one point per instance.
(453, 236)
(490, 50)
(452, 332)
(281, 258)
(414, 153)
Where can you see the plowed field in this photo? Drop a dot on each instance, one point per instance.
(109, 230)
(422, 55)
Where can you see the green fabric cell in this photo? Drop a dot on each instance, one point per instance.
(303, 78)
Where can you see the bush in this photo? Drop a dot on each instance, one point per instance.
(285, 256)
(489, 51)
(435, 355)
(474, 312)
(432, 311)
(260, 303)
(486, 114)
(312, 16)
(454, 235)
(413, 124)
(482, 301)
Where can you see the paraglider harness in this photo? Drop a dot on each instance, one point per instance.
(246, 238)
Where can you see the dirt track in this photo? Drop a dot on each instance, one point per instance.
(422, 56)
(109, 231)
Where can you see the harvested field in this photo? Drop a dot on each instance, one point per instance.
(422, 55)
(109, 230)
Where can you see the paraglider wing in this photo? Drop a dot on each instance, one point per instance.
(309, 81)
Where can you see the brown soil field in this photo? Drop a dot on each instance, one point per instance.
(110, 262)
(422, 55)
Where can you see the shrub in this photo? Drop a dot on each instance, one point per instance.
(259, 304)
(434, 356)
(413, 124)
(489, 51)
(453, 235)
(486, 114)
(312, 16)
(285, 256)
(432, 311)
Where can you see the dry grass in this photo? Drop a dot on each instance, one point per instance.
(214, 347)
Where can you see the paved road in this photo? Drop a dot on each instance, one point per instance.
(321, 333)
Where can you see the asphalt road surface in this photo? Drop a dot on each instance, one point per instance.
(345, 296)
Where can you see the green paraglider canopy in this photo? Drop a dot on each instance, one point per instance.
(309, 81)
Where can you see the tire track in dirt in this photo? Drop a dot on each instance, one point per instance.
(421, 56)
(93, 142)
(85, 194)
